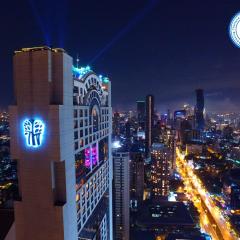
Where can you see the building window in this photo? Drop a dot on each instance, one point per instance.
(81, 113)
(75, 124)
(95, 118)
(81, 143)
(81, 133)
(76, 135)
(81, 123)
(75, 114)
(76, 145)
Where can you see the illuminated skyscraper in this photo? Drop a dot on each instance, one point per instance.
(128, 132)
(160, 169)
(116, 124)
(136, 174)
(121, 194)
(60, 137)
(149, 123)
(199, 109)
(168, 135)
(179, 116)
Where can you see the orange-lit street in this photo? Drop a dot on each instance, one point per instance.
(212, 220)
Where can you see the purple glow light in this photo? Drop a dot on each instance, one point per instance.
(87, 158)
(94, 155)
(91, 156)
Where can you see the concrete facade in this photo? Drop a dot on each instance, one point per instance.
(49, 194)
(121, 195)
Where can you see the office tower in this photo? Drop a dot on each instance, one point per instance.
(116, 124)
(199, 109)
(189, 110)
(163, 119)
(185, 132)
(61, 139)
(191, 120)
(149, 123)
(169, 118)
(128, 134)
(169, 139)
(179, 116)
(121, 195)
(235, 197)
(141, 113)
(136, 173)
(130, 114)
(160, 169)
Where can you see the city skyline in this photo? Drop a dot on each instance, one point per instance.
(120, 120)
(111, 176)
(177, 47)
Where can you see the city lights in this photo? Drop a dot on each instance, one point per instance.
(138, 140)
(193, 184)
(116, 144)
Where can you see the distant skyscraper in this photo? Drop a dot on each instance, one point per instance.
(61, 139)
(169, 139)
(179, 116)
(235, 197)
(136, 174)
(116, 124)
(169, 122)
(185, 132)
(121, 194)
(199, 109)
(160, 169)
(141, 113)
(149, 123)
(128, 130)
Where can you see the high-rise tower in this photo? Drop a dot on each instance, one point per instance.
(121, 200)
(149, 123)
(136, 174)
(60, 137)
(160, 169)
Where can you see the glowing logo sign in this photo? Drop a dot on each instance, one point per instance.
(234, 30)
(33, 130)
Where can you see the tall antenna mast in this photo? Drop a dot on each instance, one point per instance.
(77, 61)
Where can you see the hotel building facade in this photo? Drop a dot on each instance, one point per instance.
(160, 169)
(61, 125)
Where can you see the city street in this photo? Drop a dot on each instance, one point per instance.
(192, 182)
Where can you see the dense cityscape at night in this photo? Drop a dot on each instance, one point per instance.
(120, 120)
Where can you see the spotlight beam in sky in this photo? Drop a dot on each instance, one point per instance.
(39, 22)
(133, 22)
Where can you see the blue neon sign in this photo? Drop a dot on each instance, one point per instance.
(80, 72)
(33, 130)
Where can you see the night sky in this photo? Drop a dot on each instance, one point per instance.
(167, 48)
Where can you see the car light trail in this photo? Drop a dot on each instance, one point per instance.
(196, 190)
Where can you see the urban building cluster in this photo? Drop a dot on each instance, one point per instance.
(77, 170)
(183, 171)
(8, 175)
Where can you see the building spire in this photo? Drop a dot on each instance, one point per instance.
(77, 61)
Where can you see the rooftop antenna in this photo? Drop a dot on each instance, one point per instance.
(77, 60)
